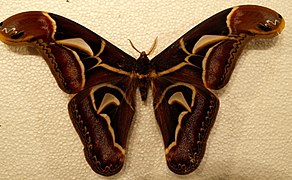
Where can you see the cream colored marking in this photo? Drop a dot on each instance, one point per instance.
(53, 24)
(179, 98)
(207, 40)
(78, 43)
(12, 30)
(182, 114)
(178, 66)
(273, 23)
(183, 47)
(229, 17)
(270, 23)
(107, 100)
(95, 88)
(204, 64)
(100, 64)
(170, 146)
(120, 148)
(120, 71)
(174, 85)
(203, 41)
(107, 118)
(102, 46)
(175, 68)
(9, 40)
(80, 65)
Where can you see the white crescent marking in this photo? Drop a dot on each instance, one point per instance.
(179, 98)
(78, 43)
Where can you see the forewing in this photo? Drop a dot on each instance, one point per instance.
(70, 50)
(214, 45)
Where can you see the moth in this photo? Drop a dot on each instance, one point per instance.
(104, 80)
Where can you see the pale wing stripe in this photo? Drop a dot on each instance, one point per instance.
(207, 40)
(78, 43)
(204, 64)
(229, 17)
(53, 24)
(174, 85)
(107, 100)
(180, 117)
(179, 98)
(107, 118)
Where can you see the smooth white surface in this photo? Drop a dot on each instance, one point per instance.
(251, 138)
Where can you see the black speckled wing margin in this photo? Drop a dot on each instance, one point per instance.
(104, 80)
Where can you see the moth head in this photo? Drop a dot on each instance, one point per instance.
(256, 21)
(24, 28)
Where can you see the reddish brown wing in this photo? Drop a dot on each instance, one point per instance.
(70, 50)
(200, 60)
(102, 116)
(185, 112)
(84, 63)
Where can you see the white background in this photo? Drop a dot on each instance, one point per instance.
(251, 138)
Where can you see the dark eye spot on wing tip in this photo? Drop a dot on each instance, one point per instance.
(32, 40)
(17, 35)
(264, 27)
(280, 17)
(1, 24)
